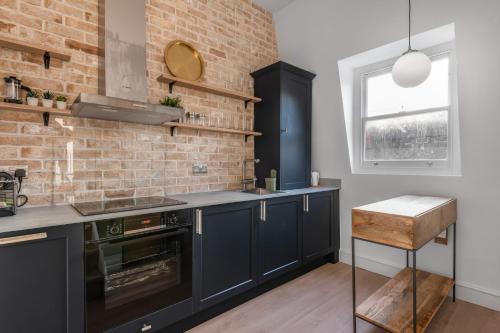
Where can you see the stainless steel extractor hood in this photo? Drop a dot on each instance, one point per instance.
(125, 71)
(111, 108)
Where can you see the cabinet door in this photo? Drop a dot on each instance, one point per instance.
(318, 225)
(279, 237)
(41, 281)
(225, 252)
(295, 132)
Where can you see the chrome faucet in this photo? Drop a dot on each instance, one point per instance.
(246, 181)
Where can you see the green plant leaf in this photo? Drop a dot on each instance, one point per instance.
(32, 93)
(48, 94)
(172, 102)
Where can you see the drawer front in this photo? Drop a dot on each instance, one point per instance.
(402, 231)
(158, 320)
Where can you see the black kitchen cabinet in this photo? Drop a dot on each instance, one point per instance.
(225, 252)
(284, 118)
(320, 225)
(237, 247)
(279, 236)
(41, 281)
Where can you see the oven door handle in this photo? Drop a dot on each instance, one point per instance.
(142, 239)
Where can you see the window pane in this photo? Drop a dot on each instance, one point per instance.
(383, 96)
(415, 137)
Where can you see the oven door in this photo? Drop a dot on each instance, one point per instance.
(130, 277)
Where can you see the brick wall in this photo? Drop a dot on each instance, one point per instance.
(77, 159)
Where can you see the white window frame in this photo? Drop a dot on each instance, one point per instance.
(451, 166)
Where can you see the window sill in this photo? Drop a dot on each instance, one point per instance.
(386, 171)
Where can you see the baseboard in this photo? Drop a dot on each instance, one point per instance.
(465, 291)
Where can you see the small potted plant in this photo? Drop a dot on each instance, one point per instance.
(32, 98)
(61, 102)
(174, 102)
(47, 99)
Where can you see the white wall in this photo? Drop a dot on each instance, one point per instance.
(316, 34)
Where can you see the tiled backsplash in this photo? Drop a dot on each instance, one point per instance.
(82, 159)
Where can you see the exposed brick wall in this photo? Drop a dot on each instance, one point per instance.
(83, 159)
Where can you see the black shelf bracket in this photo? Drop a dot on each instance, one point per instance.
(246, 137)
(172, 130)
(171, 85)
(46, 118)
(246, 103)
(46, 60)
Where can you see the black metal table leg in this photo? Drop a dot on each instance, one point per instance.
(353, 265)
(414, 291)
(454, 257)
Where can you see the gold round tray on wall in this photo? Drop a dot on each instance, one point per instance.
(183, 61)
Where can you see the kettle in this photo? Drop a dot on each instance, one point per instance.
(12, 90)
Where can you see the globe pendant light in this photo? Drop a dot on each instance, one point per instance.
(413, 67)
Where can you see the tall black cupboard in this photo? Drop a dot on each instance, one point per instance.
(284, 118)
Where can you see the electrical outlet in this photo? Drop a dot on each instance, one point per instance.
(200, 168)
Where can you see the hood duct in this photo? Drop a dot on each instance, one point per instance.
(125, 71)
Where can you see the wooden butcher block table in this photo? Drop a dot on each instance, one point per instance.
(409, 301)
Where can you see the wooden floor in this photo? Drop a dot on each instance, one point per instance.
(320, 302)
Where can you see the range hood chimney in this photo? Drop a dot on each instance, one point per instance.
(125, 68)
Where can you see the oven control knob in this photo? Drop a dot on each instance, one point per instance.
(115, 229)
(172, 219)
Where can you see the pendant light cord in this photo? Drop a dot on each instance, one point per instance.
(409, 25)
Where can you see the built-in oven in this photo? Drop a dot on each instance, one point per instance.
(136, 266)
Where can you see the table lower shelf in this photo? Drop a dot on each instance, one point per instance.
(391, 306)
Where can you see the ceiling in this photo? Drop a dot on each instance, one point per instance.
(273, 5)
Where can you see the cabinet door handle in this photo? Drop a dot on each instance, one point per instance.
(23, 238)
(307, 203)
(284, 130)
(146, 328)
(263, 211)
(304, 203)
(199, 221)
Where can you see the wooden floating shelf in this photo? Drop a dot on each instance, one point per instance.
(172, 80)
(45, 112)
(33, 109)
(391, 307)
(32, 47)
(174, 125)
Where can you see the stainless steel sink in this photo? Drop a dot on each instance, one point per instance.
(261, 191)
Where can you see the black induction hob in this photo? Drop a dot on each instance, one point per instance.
(120, 205)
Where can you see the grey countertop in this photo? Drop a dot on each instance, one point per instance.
(42, 217)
